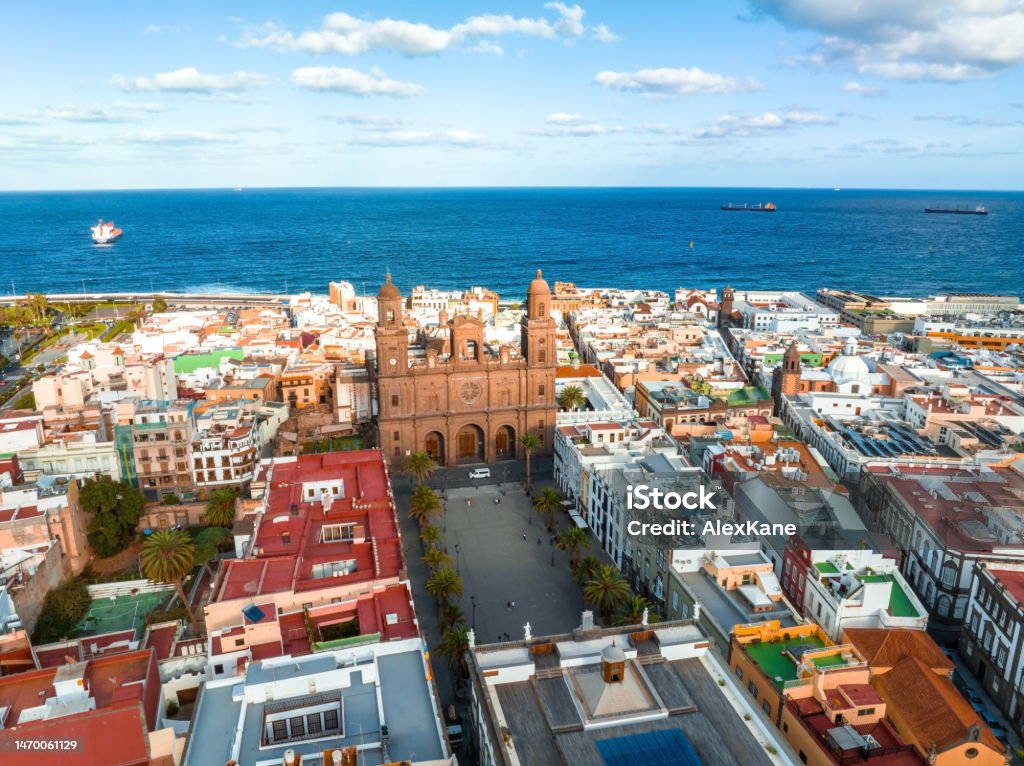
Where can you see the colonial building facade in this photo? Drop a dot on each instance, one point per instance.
(457, 399)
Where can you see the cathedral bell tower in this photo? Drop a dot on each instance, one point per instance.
(391, 336)
(538, 328)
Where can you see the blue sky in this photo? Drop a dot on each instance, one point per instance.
(874, 93)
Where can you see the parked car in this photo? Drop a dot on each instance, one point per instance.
(480, 473)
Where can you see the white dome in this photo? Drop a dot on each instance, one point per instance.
(849, 367)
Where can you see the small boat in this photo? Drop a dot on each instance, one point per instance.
(767, 207)
(979, 210)
(105, 233)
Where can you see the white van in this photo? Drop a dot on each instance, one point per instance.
(480, 473)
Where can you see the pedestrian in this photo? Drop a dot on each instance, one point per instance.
(538, 541)
(508, 604)
(513, 604)
(524, 535)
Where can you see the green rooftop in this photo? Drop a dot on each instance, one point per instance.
(900, 604)
(779, 667)
(188, 363)
(826, 567)
(746, 395)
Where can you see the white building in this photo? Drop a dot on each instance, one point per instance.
(859, 589)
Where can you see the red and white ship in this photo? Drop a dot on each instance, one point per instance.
(105, 233)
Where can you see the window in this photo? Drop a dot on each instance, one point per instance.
(331, 720)
(739, 672)
(785, 727)
(218, 669)
(239, 642)
(333, 533)
(866, 711)
(394, 400)
(803, 757)
(280, 730)
(675, 600)
(541, 390)
(297, 726)
(313, 724)
(752, 688)
(766, 707)
(286, 537)
(396, 436)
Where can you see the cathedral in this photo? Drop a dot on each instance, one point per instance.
(455, 398)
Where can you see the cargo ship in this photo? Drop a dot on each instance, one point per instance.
(979, 210)
(767, 207)
(105, 233)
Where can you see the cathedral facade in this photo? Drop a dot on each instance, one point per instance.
(452, 397)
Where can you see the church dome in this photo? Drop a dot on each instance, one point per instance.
(849, 367)
(388, 290)
(538, 286)
(612, 653)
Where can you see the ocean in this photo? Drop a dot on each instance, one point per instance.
(273, 240)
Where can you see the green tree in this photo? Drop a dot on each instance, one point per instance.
(420, 466)
(115, 508)
(607, 590)
(529, 443)
(454, 645)
(159, 304)
(423, 504)
(220, 507)
(574, 540)
(586, 568)
(38, 306)
(451, 615)
(168, 555)
(27, 401)
(572, 398)
(444, 584)
(63, 608)
(430, 535)
(546, 502)
(632, 611)
(434, 557)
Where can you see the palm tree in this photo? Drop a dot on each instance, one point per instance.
(430, 535)
(451, 615)
(423, 503)
(420, 466)
(632, 611)
(546, 502)
(454, 645)
(607, 590)
(220, 508)
(586, 568)
(444, 584)
(573, 540)
(167, 556)
(529, 442)
(572, 398)
(435, 557)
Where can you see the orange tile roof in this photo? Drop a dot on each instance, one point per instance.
(885, 648)
(929, 707)
(583, 371)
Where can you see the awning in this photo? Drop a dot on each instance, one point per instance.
(578, 519)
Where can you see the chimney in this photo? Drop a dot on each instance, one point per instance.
(291, 758)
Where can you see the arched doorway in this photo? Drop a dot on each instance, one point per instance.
(505, 443)
(469, 444)
(433, 445)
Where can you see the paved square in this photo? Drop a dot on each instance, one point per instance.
(498, 566)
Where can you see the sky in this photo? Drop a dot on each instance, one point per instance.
(773, 93)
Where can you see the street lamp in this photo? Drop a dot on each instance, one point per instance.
(457, 552)
(472, 600)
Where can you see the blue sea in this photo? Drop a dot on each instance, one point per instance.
(270, 240)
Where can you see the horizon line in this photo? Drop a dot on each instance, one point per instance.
(511, 187)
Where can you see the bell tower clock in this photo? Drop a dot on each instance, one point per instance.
(391, 336)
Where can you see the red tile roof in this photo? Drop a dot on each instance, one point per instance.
(113, 737)
(1012, 580)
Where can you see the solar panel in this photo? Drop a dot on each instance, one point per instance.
(253, 613)
(668, 747)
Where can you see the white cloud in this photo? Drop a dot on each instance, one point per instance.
(486, 46)
(573, 125)
(88, 114)
(965, 121)
(375, 122)
(602, 34)
(951, 41)
(744, 126)
(347, 35)
(859, 89)
(177, 137)
(353, 82)
(190, 80)
(462, 139)
(134, 106)
(667, 82)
